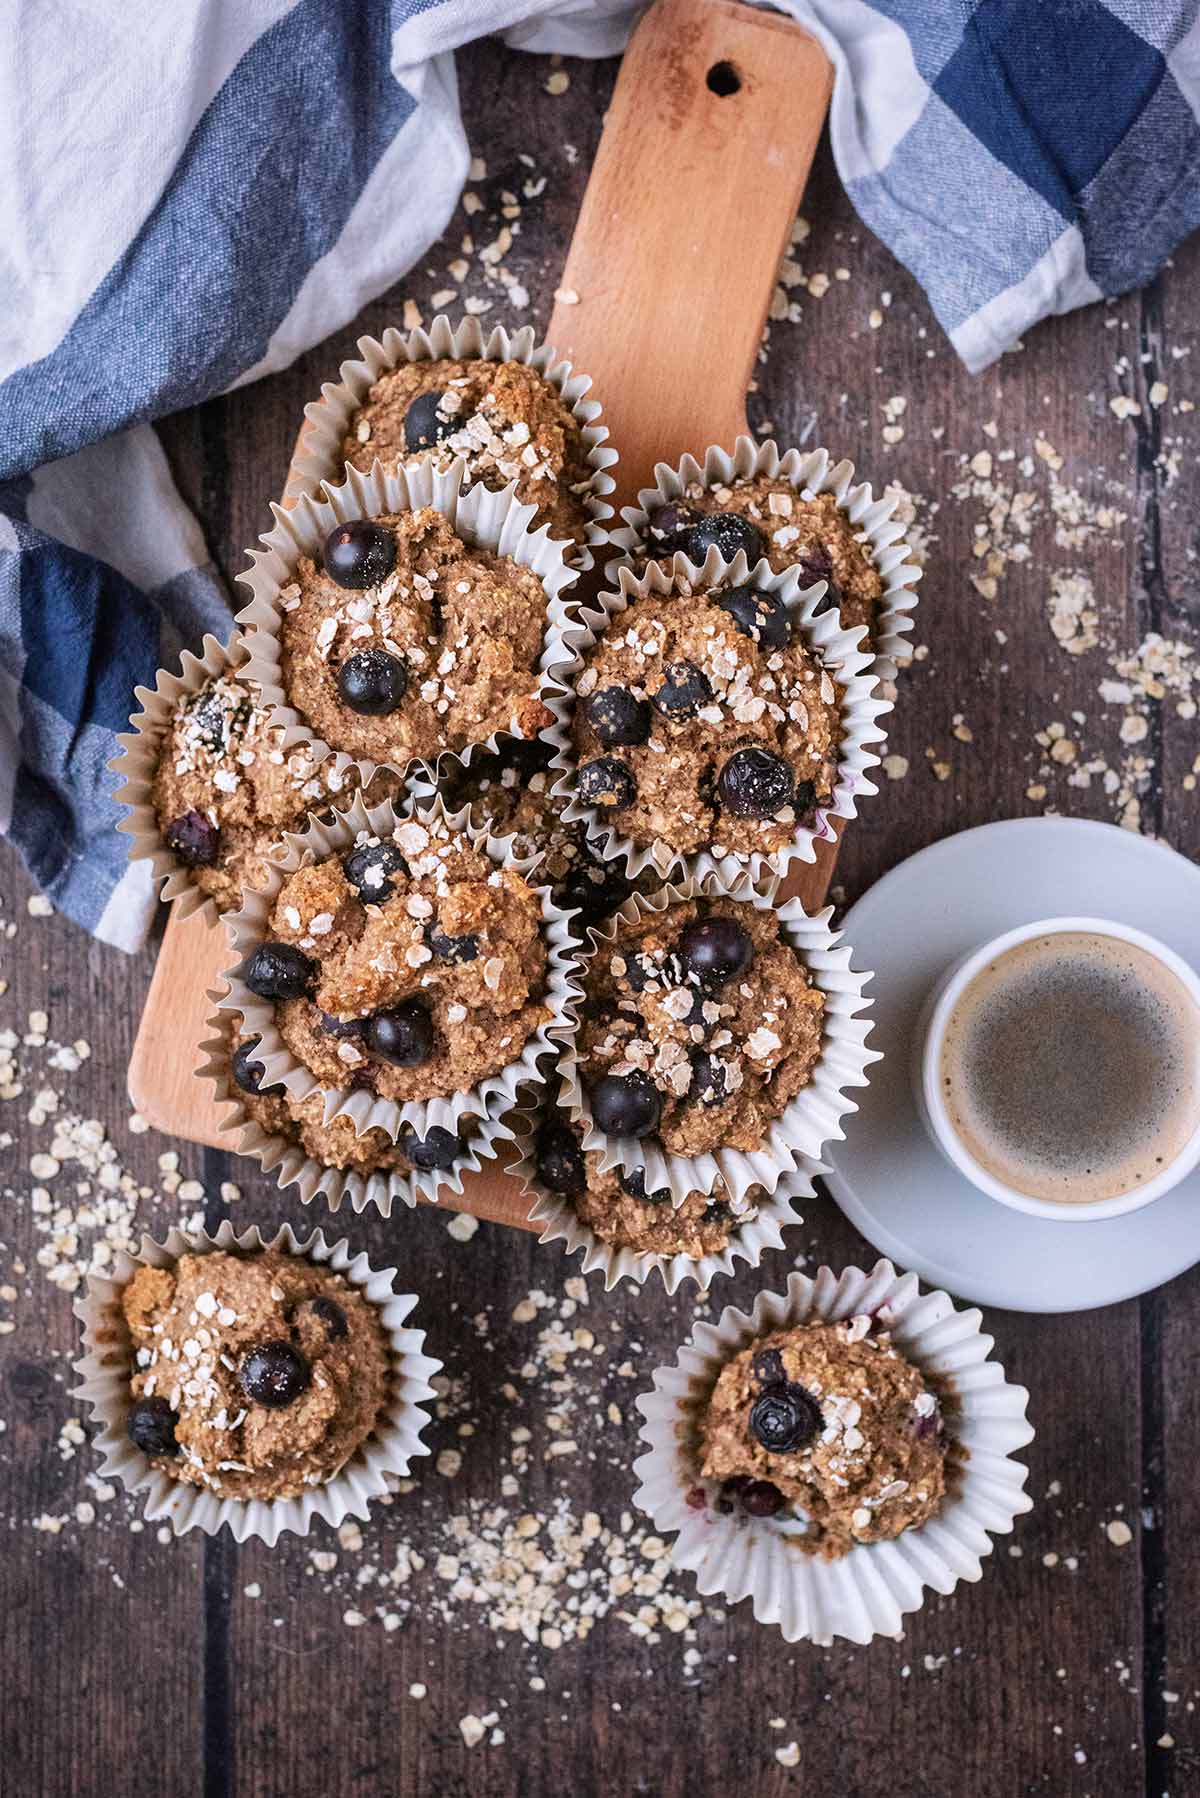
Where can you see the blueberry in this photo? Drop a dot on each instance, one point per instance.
(372, 683)
(634, 1183)
(816, 566)
(668, 527)
(716, 949)
(755, 783)
(762, 616)
(332, 1316)
(805, 798)
(151, 1426)
(626, 1104)
(195, 840)
(684, 690)
(246, 1071)
(344, 1029)
(784, 1417)
(274, 1375)
(423, 423)
(618, 716)
(278, 971)
(758, 1498)
(207, 718)
(607, 783)
(359, 554)
(726, 532)
(402, 1036)
(769, 1369)
(560, 1162)
(592, 889)
(367, 869)
(453, 949)
(437, 1149)
(708, 1079)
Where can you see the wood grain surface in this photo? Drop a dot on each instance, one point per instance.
(154, 1669)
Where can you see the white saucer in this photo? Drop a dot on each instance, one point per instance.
(888, 1178)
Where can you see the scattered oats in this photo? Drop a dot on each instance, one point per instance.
(1121, 406)
(558, 82)
(472, 1728)
(566, 296)
(449, 1463)
(1118, 1533)
(462, 1226)
(38, 906)
(895, 766)
(789, 1755)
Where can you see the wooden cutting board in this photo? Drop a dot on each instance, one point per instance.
(701, 167)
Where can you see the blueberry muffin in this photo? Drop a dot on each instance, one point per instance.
(411, 965)
(509, 793)
(703, 721)
(256, 1376)
(830, 1421)
(402, 641)
(226, 788)
(337, 1144)
(765, 515)
(617, 1208)
(503, 419)
(699, 1025)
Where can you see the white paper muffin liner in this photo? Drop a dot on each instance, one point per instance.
(561, 1223)
(141, 749)
(492, 1097)
(814, 1116)
(870, 1590)
(104, 1372)
(288, 1160)
(486, 520)
(809, 472)
(319, 454)
(861, 708)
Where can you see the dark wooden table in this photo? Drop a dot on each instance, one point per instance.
(153, 1668)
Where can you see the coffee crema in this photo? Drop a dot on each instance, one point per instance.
(1070, 1067)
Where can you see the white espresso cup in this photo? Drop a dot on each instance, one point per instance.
(927, 1071)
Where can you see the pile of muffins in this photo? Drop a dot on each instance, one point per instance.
(496, 861)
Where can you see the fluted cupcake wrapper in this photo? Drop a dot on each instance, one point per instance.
(492, 521)
(286, 1158)
(814, 1116)
(319, 456)
(870, 1590)
(561, 1223)
(860, 709)
(492, 1097)
(137, 764)
(809, 472)
(105, 1368)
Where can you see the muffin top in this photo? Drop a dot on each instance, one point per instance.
(226, 788)
(410, 965)
(503, 419)
(699, 1024)
(403, 641)
(617, 1207)
(257, 1376)
(336, 1144)
(766, 516)
(704, 721)
(509, 793)
(831, 1419)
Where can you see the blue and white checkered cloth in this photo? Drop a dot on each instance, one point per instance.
(196, 193)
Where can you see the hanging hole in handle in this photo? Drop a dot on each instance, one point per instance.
(723, 79)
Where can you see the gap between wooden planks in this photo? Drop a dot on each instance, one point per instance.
(698, 178)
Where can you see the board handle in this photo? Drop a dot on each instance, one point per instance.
(706, 148)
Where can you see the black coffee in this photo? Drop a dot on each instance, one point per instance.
(1070, 1067)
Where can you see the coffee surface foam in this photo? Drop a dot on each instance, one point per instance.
(1069, 1067)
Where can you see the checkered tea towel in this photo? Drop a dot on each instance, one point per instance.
(195, 193)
